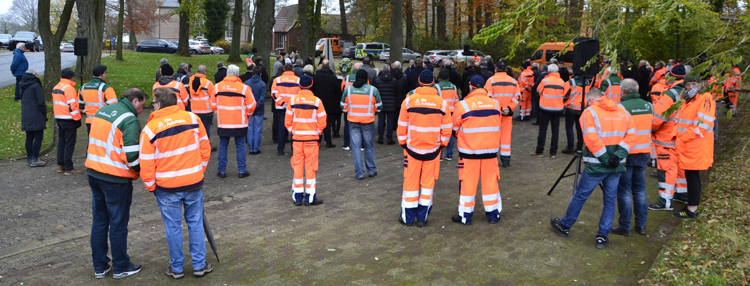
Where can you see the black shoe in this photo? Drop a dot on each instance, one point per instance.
(659, 207)
(685, 213)
(654, 175)
(297, 203)
(402, 222)
(336, 136)
(373, 175)
(101, 275)
(380, 142)
(330, 145)
(601, 241)
(421, 223)
(257, 152)
(170, 272)
(132, 270)
(314, 203)
(640, 230)
(391, 142)
(495, 221)
(243, 175)
(457, 219)
(568, 151)
(221, 175)
(621, 231)
(535, 123)
(280, 153)
(557, 226)
(203, 271)
(213, 149)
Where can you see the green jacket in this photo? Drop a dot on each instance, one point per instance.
(635, 105)
(675, 91)
(614, 79)
(124, 114)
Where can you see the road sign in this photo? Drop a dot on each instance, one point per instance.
(106, 43)
(112, 42)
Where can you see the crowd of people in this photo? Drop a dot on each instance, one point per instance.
(621, 120)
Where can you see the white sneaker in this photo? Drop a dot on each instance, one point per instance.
(448, 158)
(346, 148)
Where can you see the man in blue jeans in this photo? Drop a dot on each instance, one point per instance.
(255, 124)
(609, 133)
(235, 105)
(361, 101)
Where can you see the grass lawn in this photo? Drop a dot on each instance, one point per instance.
(12, 138)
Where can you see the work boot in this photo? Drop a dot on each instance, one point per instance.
(421, 223)
(402, 222)
(37, 163)
(203, 271)
(621, 231)
(457, 219)
(640, 230)
(243, 175)
(680, 197)
(314, 203)
(659, 207)
(60, 168)
(73, 172)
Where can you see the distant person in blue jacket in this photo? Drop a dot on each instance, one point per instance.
(18, 67)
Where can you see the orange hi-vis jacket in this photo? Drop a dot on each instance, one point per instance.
(113, 141)
(664, 130)
(305, 117)
(65, 99)
(202, 101)
(361, 103)
(657, 89)
(174, 151)
(449, 93)
(695, 132)
(608, 130)
(179, 90)
(504, 89)
(718, 89)
(552, 93)
(642, 113)
(477, 123)
(234, 103)
(95, 95)
(574, 93)
(284, 88)
(658, 76)
(477, 59)
(526, 80)
(424, 124)
(612, 88)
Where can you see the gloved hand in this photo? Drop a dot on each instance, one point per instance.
(614, 162)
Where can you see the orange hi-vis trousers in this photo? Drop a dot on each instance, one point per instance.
(304, 161)
(506, 128)
(524, 106)
(681, 182)
(733, 99)
(469, 171)
(666, 165)
(416, 204)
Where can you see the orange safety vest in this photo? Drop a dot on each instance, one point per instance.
(695, 132)
(179, 90)
(424, 124)
(477, 58)
(448, 92)
(606, 124)
(576, 93)
(65, 101)
(234, 103)
(658, 76)
(663, 128)
(613, 91)
(361, 104)
(526, 80)
(306, 117)
(477, 123)
(504, 89)
(202, 101)
(284, 88)
(183, 151)
(552, 93)
(111, 129)
(657, 89)
(92, 99)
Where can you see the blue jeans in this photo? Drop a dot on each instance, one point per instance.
(281, 135)
(171, 205)
(631, 193)
(362, 134)
(586, 186)
(239, 143)
(449, 149)
(110, 206)
(254, 127)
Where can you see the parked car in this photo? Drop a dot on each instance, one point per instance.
(5, 41)
(32, 41)
(67, 47)
(437, 56)
(156, 46)
(216, 50)
(198, 48)
(458, 56)
(374, 49)
(548, 51)
(406, 55)
(348, 53)
(335, 46)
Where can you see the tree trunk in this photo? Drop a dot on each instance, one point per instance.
(397, 39)
(442, 19)
(234, 52)
(409, 23)
(263, 26)
(120, 17)
(183, 49)
(90, 25)
(313, 33)
(434, 15)
(487, 16)
(477, 16)
(131, 34)
(342, 11)
(52, 68)
(304, 24)
(426, 15)
(470, 18)
(252, 23)
(456, 26)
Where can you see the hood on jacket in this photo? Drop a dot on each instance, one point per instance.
(397, 73)
(29, 79)
(18, 51)
(165, 80)
(385, 77)
(606, 104)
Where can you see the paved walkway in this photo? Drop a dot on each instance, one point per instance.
(353, 238)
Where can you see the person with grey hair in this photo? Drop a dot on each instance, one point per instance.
(611, 85)
(162, 63)
(371, 72)
(33, 116)
(299, 68)
(551, 104)
(235, 104)
(308, 70)
(18, 67)
(183, 74)
(631, 191)
(220, 73)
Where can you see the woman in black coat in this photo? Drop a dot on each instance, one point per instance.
(327, 87)
(33, 116)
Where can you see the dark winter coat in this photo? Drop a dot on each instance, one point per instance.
(455, 78)
(389, 90)
(564, 74)
(412, 77)
(246, 76)
(220, 74)
(263, 73)
(644, 78)
(309, 61)
(19, 65)
(327, 87)
(403, 86)
(486, 73)
(33, 108)
(466, 80)
(299, 71)
(259, 93)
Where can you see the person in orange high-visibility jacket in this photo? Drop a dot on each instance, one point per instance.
(202, 98)
(574, 90)
(174, 155)
(695, 140)
(167, 81)
(449, 93)
(551, 103)
(477, 123)
(663, 138)
(525, 83)
(68, 117)
(95, 94)
(360, 102)
(234, 106)
(283, 89)
(631, 191)
(609, 133)
(305, 119)
(504, 89)
(659, 74)
(611, 85)
(476, 58)
(732, 86)
(112, 163)
(424, 127)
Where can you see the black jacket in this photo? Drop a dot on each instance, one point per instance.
(33, 108)
(564, 74)
(486, 73)
(644, 78)
(403, 86)
(466, 79)
(537, 80)
(455, 78)
(327, 87)
(389, 91)
(412, 77)
(308, 61)
(220, 74)
(246, 76)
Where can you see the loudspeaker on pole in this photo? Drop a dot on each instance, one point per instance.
(81, 47)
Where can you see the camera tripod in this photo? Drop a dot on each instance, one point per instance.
(576, 159)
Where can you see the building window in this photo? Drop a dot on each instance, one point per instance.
(229, 29)
(200, 32)
(280, 39)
